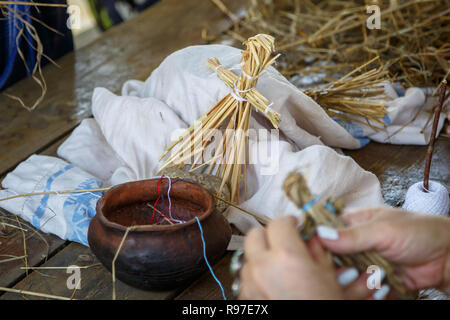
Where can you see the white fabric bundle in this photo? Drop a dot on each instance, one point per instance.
(102, 159)
(65, 215)
(327, 172)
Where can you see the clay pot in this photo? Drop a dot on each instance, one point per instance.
(157, 256)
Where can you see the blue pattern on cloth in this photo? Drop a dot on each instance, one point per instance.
(79, 209)
(386, 120)
(399, 89)
(354, 129)
(40, 210)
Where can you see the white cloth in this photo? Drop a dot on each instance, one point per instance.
(88, 146)
(65, 215)
(407, 116)
(327, 172)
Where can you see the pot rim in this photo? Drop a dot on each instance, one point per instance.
(119, 227)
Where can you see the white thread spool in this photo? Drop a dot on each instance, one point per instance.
(436, 201)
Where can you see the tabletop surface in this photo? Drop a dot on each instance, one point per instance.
(131, 51)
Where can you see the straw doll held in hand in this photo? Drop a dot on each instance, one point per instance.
(280, 265)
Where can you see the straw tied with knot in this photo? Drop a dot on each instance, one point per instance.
(234, 107)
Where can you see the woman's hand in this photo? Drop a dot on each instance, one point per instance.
(279, 265)
(418, 244)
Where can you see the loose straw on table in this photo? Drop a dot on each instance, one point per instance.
(36, 294)
(37, 4)
(61, 268)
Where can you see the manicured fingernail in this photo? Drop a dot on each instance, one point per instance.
(348, 276)
(381, 293)
(328, 233)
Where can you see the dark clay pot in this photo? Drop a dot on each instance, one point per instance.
(158, 256)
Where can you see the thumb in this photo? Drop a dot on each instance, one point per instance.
(361, 237)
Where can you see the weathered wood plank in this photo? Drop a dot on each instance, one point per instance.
(206, 288)
(95, 283)
(129, 51)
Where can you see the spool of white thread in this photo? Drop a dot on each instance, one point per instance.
(436, 201)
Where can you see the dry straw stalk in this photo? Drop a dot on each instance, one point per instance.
(25, 27)
(323, 39)
(232, 113)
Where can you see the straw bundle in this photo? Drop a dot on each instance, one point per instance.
(321, 40)
(22, 22)
(232, 113)
(357, 94)
(321, 213)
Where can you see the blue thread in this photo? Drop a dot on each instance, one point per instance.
(206, 259)
(329, 206)
(310, 204)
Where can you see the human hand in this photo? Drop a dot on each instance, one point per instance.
(280, 265)
(418, 244)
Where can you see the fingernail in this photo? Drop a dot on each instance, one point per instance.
(381, 293)
(348, 276)
(328, 233)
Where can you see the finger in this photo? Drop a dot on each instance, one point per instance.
(366, 236)
(255, 243)
(249, 288)
(359, 215)
(282, 234)
(315, 249)
(318, 253)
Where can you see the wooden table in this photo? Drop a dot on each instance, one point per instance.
(133, 50)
